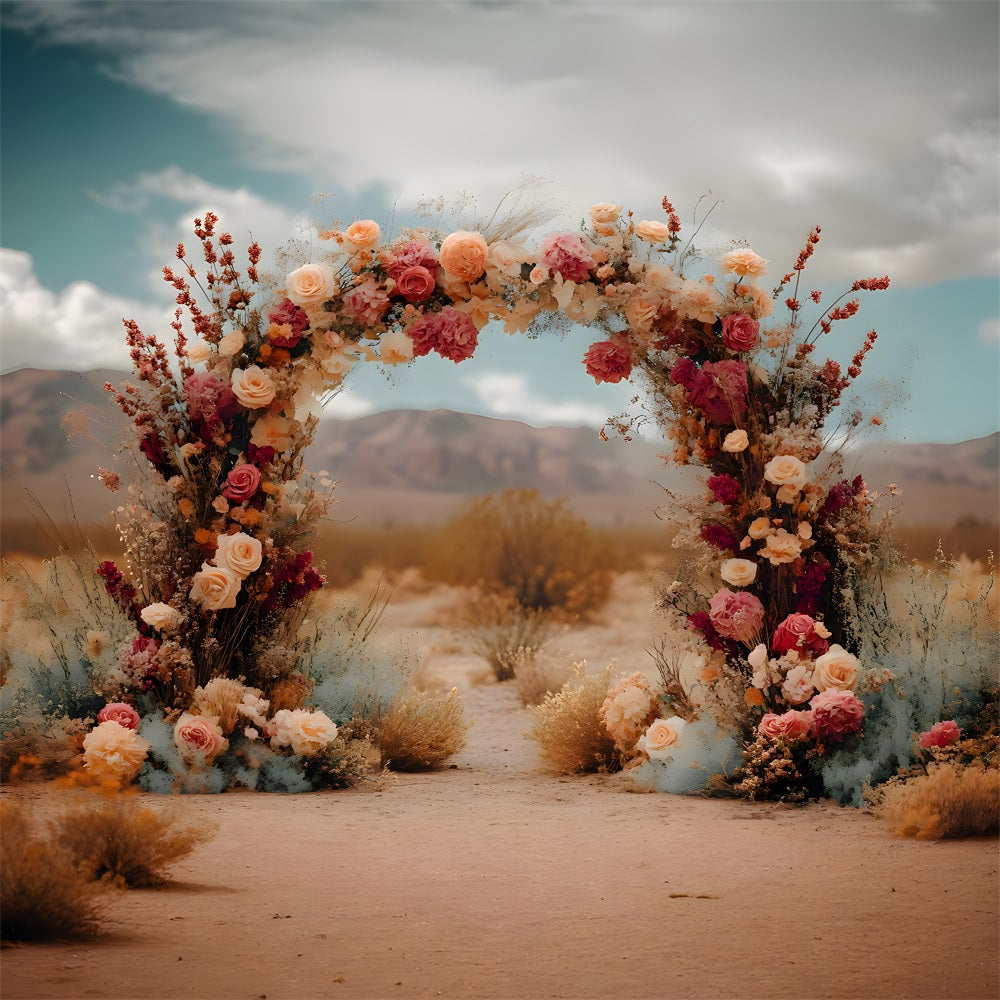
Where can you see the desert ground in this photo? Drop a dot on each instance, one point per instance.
(494, 879)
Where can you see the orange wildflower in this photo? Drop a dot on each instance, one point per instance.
(186, 507)
(753, 698)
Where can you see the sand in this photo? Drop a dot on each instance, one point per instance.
(493, 879)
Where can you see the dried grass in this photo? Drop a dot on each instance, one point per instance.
(112, 836)
(948, 801)
(43, 894)
(537, 676)
(504, 633)
(568, 729)
(419, 732)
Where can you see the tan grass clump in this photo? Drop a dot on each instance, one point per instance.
(419, 732)
(115, 838)
(568, 729)
(504, 633)
(536, 676)
(948, 801)
(43, 894)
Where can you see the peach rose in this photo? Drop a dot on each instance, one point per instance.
(781, 547)
(272, 431)
(735, 441)
(836, 668)
(241, 553)
(604, 213)
(661, 737)
(786, 470)
(792, 725)
(161, 616)
(760, 527)
(339, 363)
(363, 235)
(739, 572)
(197, 350)
(641, 310)
(232, 343)
(253, 387)
(199, 738)
(114, 751)
(539, 275)
(215, 587)
(652, 232)
(305, 732)
(395, 348)
(311, 284)
(464, 255)
(744, 262)
(507, 258)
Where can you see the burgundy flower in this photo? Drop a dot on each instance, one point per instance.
(720, 391)
(725, 489)
(720, 536)
(289, 314)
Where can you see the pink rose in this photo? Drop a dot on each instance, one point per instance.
(740, 332)
(941, 734)
(415, 253)
(366, 303)
(568, 254)
(449, 332)
(792, 725)
(415, 283)
(798, 632)
(118, 711)
(836, 714)
(242, 483)
(199, 738)
(736, 616)
(609, 360)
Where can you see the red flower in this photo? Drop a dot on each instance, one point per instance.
(609, 360)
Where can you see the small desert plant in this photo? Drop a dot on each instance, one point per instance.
(504, 633)
(43, 893)
(568, 729)
(950, 800)
(111, 836)
(339, 764)
(419, 732)
(536, 676)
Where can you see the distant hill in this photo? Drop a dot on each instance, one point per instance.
(413, 466)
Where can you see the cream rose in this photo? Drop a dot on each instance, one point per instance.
(215, 587)
(836, 668)
(311, 284)
(111, 750)
(363, 235)
(604, 212)
(395, 348)
(760, 527)
(506, 258)
(161, 616)
(735, 441)
(339, 363)
(241, 553)
(739, 572)
(661, 737)
(464, 255)
(199, 738)
(781, 547)
(652, 232)
(198, 351)
(744, 262)
(253, 387)
(272, 431)
(232, 343)
(786, 470)
(305, 732)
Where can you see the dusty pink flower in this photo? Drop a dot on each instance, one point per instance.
(449, 332)
(740, 332)
(792, 725)
(798, 632)
(568, 254)
(609, 360)
(736, 616)
(415, 253)
(836, 714)
(118, 711)
(366, 303)
(941, 734)
(720, 390)
(242, 483)
(199, 738)
(416, 283)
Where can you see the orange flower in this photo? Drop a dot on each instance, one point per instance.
(709, 674)
(205, 537)
(186, 507)
(753, 698)
(251, 517)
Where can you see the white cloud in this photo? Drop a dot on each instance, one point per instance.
(346, 406)
(508, 395)
(989, 331)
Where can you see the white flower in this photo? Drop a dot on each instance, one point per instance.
(305, 732)
(739, 572)
(241, 553)
(160, 616)
(662, 736)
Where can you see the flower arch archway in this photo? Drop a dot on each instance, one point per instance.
(217, 534)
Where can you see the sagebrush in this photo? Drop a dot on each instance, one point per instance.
(419, 732)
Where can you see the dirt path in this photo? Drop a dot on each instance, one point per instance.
(492, 880)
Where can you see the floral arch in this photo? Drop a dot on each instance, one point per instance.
(219, 571)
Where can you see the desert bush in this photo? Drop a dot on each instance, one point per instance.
(419, 732)
(534, 550)
(112, 836)
(568, 729)
(536, 676)
(43, 894)
(503, 632)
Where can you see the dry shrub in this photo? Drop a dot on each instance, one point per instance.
(504, 633)
(948, 801)
(43, 894)
(419, 732)
(112, 836)
(568, 729)
(537, 676)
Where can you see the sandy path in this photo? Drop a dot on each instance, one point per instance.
(493, 880)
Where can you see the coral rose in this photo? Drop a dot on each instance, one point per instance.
(305, 732)
(464, 255)
(567, 254)
(661, 737)
(161, 616)
(311, 284)
(744, 262)
(253, 387)
(836, 668)
(242, 483)
(363, 235)
(609, 360)
(740, 332)
(736, 616)
(786, 470)
(791, 725)
(414, 253)
(215, 587)
(114, 751)
(941, 734)
(781, 547)
(836, 714)
(118, 711)
(199, 738)
(241, 553)
(735, 441)
(739, 572)
(416, 283)
(653, 232)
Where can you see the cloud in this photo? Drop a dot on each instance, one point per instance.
(346, 406)
(896, 157)
(508, 395)
(989, 331)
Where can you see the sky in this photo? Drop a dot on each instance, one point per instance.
(120, 122)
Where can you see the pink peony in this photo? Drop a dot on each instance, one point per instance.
(568, 254)
(199, 738)
(415, 253)
(720, 391)
(416, 283)
(941, 734)
(836, 714)
(118, 711)
(449, 332)
(242, 483)
(366, 303)
(609, 360)
(736, 616)
(798, 632)
(792, 725)
(740, 332)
